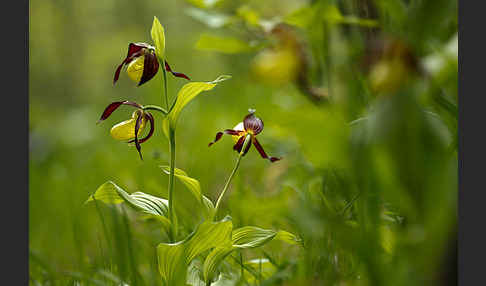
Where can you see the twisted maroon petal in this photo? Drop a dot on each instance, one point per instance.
(151, 131)
(237, 147)
(117, 72)
(253, 124)
(176, 74)
(227, 131)
(218, 136)
(113, 106)
(150, 68)
(261, 151)
(137, 127)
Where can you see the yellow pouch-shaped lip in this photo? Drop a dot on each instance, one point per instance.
(135, 69)
(125, 130)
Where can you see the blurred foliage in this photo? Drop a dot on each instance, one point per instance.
(358, 96)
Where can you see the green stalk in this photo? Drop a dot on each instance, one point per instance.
(172, 216)
(165, 85)
(240, 155)
(155, 107)
(172, 150)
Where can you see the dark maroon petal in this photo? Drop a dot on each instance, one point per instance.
(237, 147)
(151, 131)
(176, 74)
(227, 131)
(261, 151)
(113, 106)
(117, 72)
(253, 124)
(137, 127)
(150, 68)
(247, 148)
(239, 144)
(134, 50)
(218, 136)
(109, 110)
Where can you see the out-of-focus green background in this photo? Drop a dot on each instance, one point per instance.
(401, 153)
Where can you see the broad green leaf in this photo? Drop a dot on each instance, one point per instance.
(158, 36)
(110, 193)
(171, 261)
(213, 260)
(187, 93)
(174, 258)
(191, 183)
(244, 237)
(164, 221)
(195, 188)
(227, 45)
(251, 236)
(288, 237)
(166, 127)
(209, 235)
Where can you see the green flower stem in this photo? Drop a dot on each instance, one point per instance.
(165, 84)
(155, 107)
(172, 215)
(245, 144)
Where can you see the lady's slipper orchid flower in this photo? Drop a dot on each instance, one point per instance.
(130, 129)
(141, 61)
(142, 64)
(252, 126)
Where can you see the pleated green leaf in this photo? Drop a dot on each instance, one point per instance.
(186, 94)
(174, 258)
(213, 260)
(244, 237)
(110, 193)
(195, 187)
(191, 183)
(250, 236)
(171, 261)
(158, 36)
(162, 220)
(288, 237)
